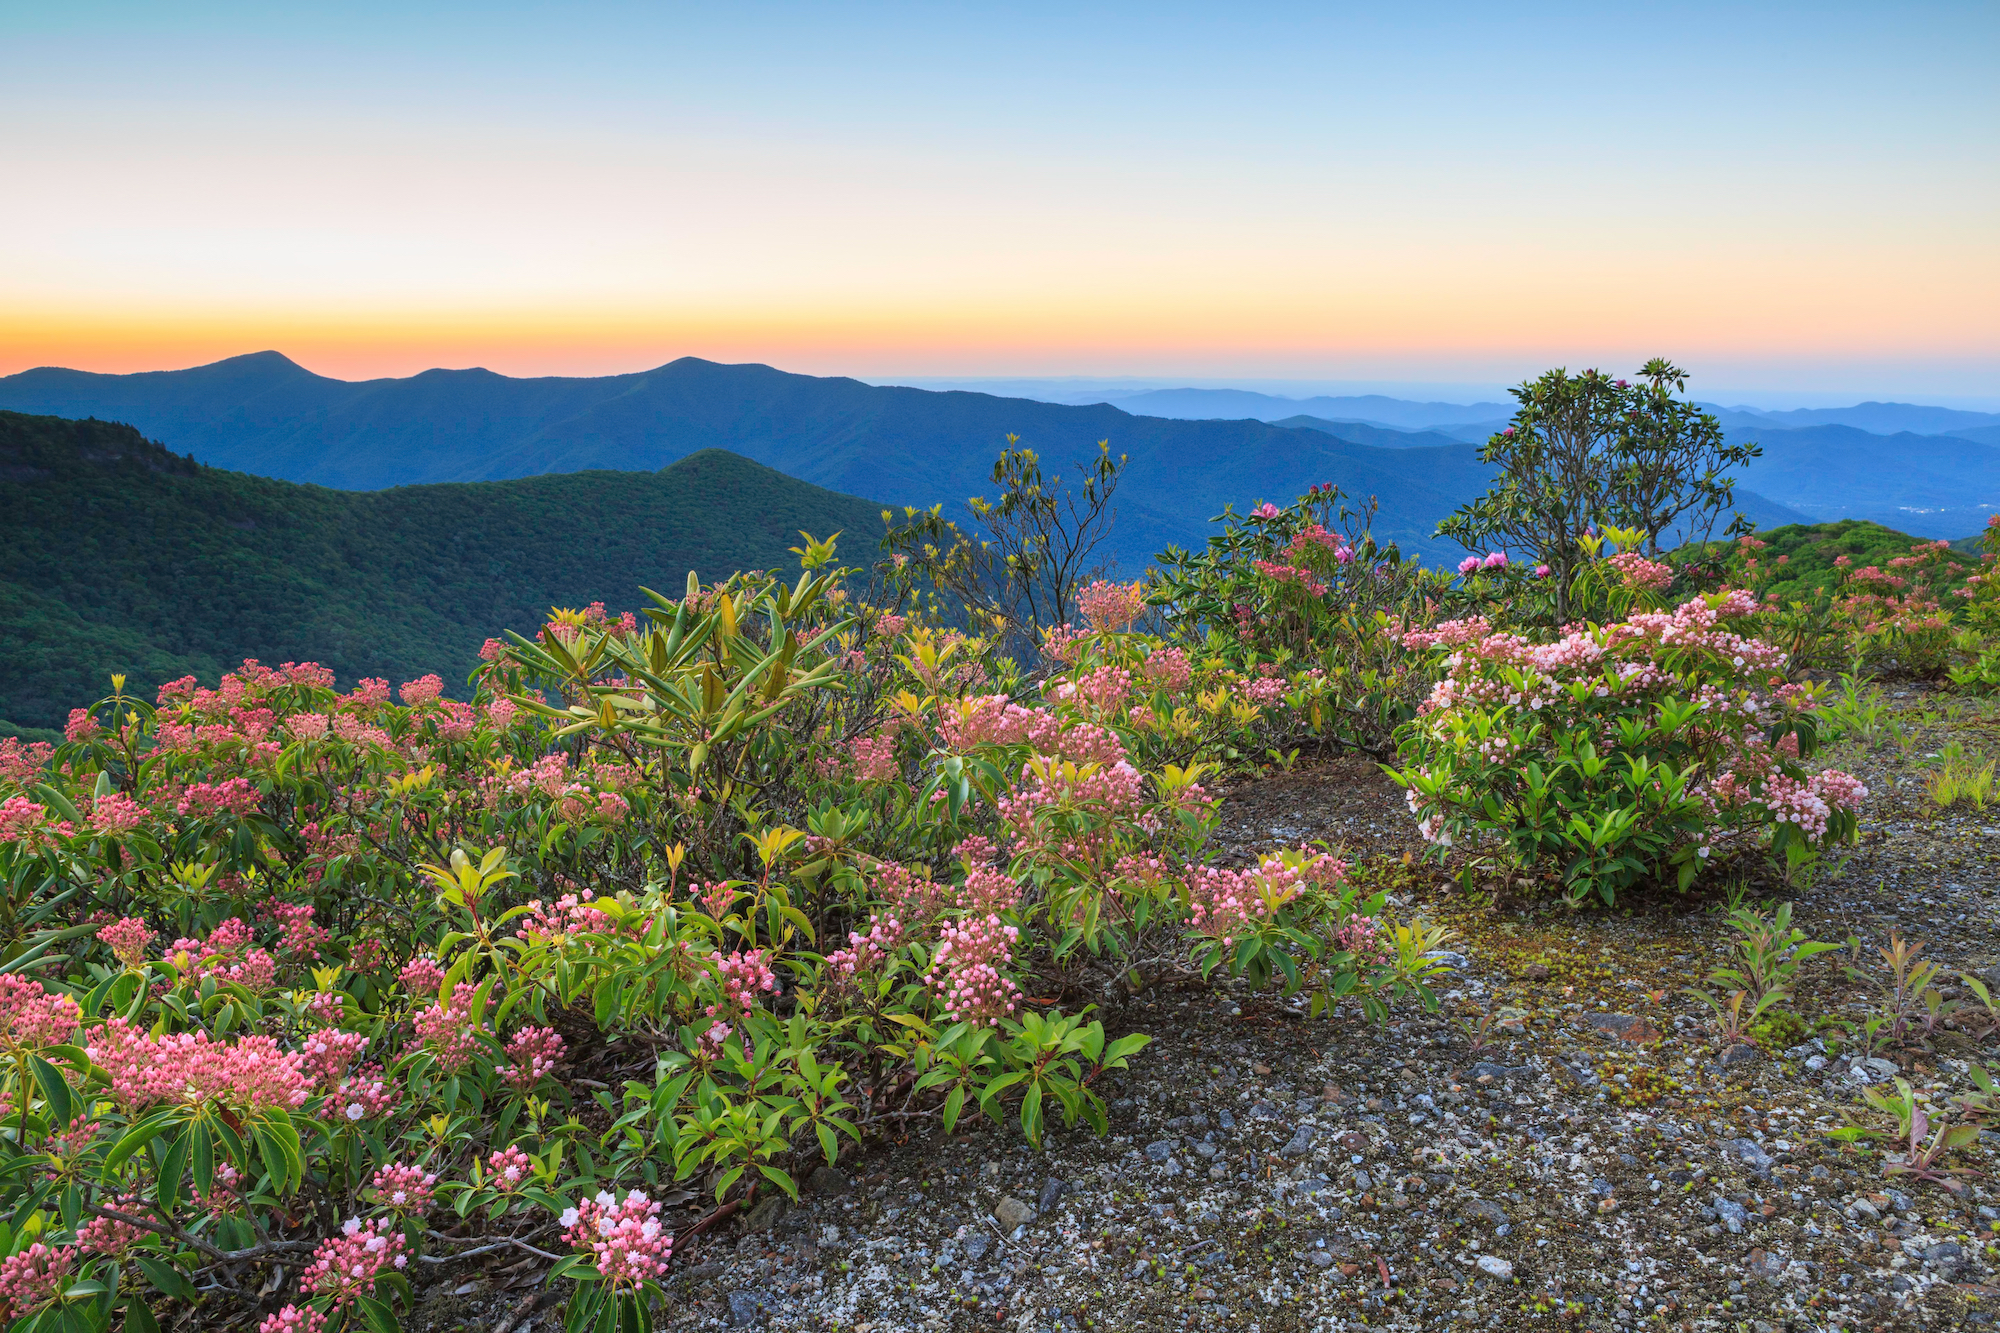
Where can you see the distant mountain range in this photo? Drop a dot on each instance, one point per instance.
(120, 556)
(266, 415)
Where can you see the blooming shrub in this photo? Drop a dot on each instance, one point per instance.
(1611, 757)
(310, 954)
(1305, 591)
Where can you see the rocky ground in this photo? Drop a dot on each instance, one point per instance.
(1602, 1161)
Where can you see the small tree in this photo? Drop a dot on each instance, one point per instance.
(1586, 451)
(1039, 546)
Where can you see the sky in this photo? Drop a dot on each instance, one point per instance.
(1798, 201)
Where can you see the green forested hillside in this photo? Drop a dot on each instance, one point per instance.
(1810, 550)
(120, 556)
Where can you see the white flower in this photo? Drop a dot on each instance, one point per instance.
(354, 1111)
(569, 1217)
(350, 1226)
(638, 1197)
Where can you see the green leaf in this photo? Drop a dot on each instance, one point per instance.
(380, 1318)
(55, 1090)
(135, 1138)
(173, 1165)
(139, 1318)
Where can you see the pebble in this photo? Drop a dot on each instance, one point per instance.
(1011, 1212)
(1494, 1266)
(747, 1308)
(1732, 1214)
(1160, 1150)
(1750, 1153)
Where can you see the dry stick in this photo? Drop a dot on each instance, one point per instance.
(269, 1247)
(524, 1310)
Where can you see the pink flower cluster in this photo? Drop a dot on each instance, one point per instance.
(423, 976)
(423, 690)
(1167, 669)
(1809, 805)
(114, 813)
(402, 1189)
(451, 1030)
(34, 1277)
(1639, 572)
(1472, 564)
(1111, 607)
(228, 954)
(26, 822)
(866, 952)
(21, 764)
(345, 1266)
(1364, 938)
(967, 970)
(625, 1240)
(743, 977)
(190, 1068)
(1284, 573)
(231, 796)
(533, 1054)
(128, 939)
(107, 1236)
(989, 719)
(33, 1018)
(508, 1169)
(294, 1319)
(302, 939)
(1099, 691)
(330, 1053)
(365, 1094)
(874, 758)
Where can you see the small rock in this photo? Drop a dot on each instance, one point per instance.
(1499, 1073)
(766, 1214)
(1487, 1210)
(1264, 1111)
(1052, 1192)
(1601, 1188)
(1319, 1258)
(1538, 972)
(1011, 1212)
(827, 1181)
(1159, 1150)
(1494, 1266)
(975, 1245)
(1750, 1153)
(1764, 1264)
(1205, 1150)
(1816, 1063)
(1300, 1143)
(1741, 1054)
(1731, 1214)
(747, 1308)
(1625, 1027)
(1945, 1252)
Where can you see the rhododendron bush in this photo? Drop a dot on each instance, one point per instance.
(1306, 594)
(296, 978)
(1614, 756)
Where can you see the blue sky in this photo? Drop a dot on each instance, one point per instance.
(1789, 197)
